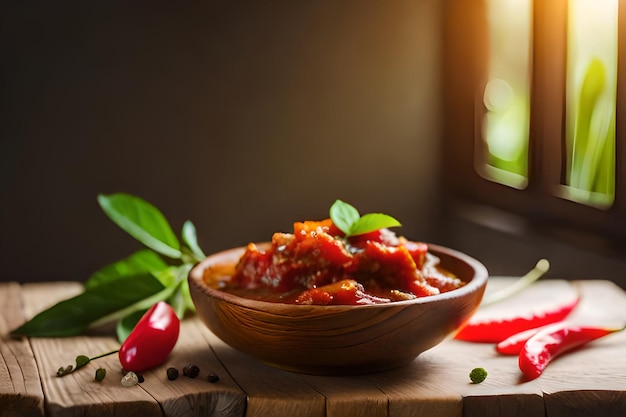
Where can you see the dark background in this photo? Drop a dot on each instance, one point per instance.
(241, 116)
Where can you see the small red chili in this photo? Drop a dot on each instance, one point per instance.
(552, 341)
(496, 330)
(513, 345)
(152, 339)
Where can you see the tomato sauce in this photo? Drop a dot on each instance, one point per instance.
(318, 265)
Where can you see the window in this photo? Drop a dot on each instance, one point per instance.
(505, 122)
(535, 109)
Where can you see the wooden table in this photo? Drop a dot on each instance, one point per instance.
(589, 381)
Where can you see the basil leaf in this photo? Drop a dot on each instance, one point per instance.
(190, 238)
(126, 325)
(344, 216)
(74, 315)
(141, 304)
(139, 262)
(373, 221)
(347, 218)
(143, 221)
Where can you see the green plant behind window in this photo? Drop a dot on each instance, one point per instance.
(591, 101)
(593, 147)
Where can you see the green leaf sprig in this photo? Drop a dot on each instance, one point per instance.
(348, 219)
(81, 360)
(124, 290)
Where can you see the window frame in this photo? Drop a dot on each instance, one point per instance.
(464, 75)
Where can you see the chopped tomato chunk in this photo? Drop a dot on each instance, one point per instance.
(418, 251)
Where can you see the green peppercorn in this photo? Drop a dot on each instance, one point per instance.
(100, 374)
(478, 375)
(213, 378)
(172, 373)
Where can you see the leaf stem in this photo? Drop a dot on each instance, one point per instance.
(81, 361)
(531, 276)
(104, 354)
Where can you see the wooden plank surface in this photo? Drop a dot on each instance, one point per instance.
(270, 391)
(78, 394)
(588, 381)
(592, 380)
(20, 387)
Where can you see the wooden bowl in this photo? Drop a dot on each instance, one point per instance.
(337, 340)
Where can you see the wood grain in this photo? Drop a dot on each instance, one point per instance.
(270, 391)
(20, 387)
(587, 382)
(349, 396)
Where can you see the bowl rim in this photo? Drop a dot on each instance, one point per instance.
(481, 275)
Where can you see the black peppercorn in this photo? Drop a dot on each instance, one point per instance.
(213, 378)
(172, 373)
(191, 371)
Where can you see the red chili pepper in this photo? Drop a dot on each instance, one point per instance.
(554, 340)
(496, 330)
(152, 339)
(513, 345)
